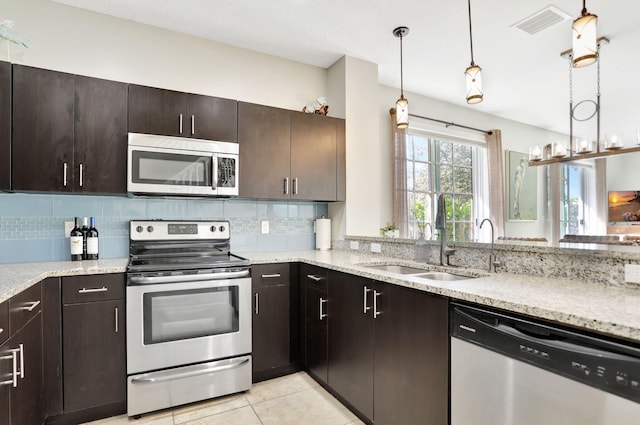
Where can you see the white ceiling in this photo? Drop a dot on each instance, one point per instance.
(524, 77)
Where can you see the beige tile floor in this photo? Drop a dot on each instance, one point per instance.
(290, 400)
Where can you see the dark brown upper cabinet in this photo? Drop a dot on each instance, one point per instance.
(5, 126)
(172, 113)
(289, 155)
(71, 129)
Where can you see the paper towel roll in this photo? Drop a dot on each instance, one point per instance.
(323, 234)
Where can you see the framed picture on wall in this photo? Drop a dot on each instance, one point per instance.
(522, 188)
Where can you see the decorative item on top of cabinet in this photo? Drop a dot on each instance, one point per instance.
(271, 345)
(5, 126)
(172, 113)
(315, 286)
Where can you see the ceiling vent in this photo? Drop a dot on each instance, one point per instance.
(541, 20)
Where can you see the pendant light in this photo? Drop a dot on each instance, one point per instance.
(585, 43)
(402, 104)
(473, 73)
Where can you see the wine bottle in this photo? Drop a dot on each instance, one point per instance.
(75, 241)
(92, 240)
(84, 230)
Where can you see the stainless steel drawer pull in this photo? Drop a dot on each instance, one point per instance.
(21, 350)
(81, 175)
(295, 186)
(116, 314)
(314, 277)
(64, 174)
(322, 314)
(166, 376)
(376, 313)
(12, 356)
(14, 372)
(269, 276)
(32, 307)
(1, 330)
(193, 125)
(92, 290)
(180, 123)
(286, 185)
(366, 308)
(256, 309)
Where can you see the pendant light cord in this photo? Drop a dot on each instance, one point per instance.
(471, 34)
(584, 8)
(401, 71)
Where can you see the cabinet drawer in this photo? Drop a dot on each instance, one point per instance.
(24, 306)
(269, 274)
(316, 277)
(100, 287)
(4, 321)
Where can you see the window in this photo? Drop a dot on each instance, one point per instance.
(435, 165)
(578, 182)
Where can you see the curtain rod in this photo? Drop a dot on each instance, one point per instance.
(452, 124)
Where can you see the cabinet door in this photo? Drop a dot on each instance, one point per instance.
(42, 130)
(93, 354)
(100, 142)
(264, 135)
(313, 157)
(6, 371)
(5, 125)
(270, 327)
(316, 313)
(27, 406)
(351, 340)
(157, 111)
(212, 118)
(412, 358)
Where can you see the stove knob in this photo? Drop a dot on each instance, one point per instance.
(139, 229)
(222, 228)
(150, 229)
(213, 229)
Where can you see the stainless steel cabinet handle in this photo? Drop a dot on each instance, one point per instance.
(193, 125)
(81, 175)
(269, 276)
(376, 313)
(180, 123)
(364, 300)
(1, 330)
(64, 174)
(116, 314)
(295, 186)
(13, 356)
(256, 309)
(322, 302)
(32, 307)
(314, 277)
(286, 185)
(91, 290)
(21, 350)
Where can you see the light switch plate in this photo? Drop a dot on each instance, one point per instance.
(265, 227)
(376, 247)
(632, 273)
(68, 227)
(354, 245)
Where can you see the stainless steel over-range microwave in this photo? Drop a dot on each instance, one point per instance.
(165, 165)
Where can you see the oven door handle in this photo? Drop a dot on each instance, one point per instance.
(151, 280)
(188, 374)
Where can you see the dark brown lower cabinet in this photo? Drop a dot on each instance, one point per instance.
(21, 398)
(93, 347)
(351, 340)
(316, 307)
(271, 331)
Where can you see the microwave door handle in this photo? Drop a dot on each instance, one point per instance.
(214, 173)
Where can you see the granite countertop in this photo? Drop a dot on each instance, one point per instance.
(605, 309)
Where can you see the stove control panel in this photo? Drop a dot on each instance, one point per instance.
(178, 230)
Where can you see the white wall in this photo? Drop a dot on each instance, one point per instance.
(73, 40)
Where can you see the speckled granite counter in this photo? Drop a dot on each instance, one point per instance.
(606, 309)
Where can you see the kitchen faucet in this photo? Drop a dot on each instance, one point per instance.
(493, 259)
(441, 224)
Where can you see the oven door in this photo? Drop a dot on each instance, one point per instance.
(179, 323)
(171, 171)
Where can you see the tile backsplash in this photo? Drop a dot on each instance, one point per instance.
(32, 225)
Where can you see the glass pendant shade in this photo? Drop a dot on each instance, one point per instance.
(585, 43)
(474, 84)
(402, 112)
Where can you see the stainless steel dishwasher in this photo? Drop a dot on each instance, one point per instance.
(507, 370)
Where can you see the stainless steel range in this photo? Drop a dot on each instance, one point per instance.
(188, 314)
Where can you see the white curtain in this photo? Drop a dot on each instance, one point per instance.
(496, 180)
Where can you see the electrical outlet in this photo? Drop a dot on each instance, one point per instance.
(354, 245)
(376, 247)
(265, 227)
(632, 273)
(68, 227)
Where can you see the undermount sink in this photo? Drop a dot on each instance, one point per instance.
(394, 268)
(417, 272)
